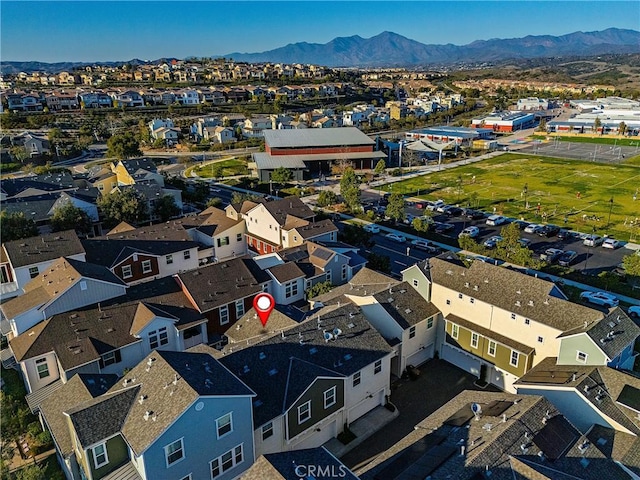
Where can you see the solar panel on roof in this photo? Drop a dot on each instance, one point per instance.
(556, 437)
(555, 378)
(409, 456)
(461, 417)
(629, 397)
(496, 408)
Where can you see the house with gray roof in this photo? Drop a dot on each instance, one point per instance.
(313, 378)
(481, 435)
(499, 323)
(23, 260)
(66, 285)
(174, 415)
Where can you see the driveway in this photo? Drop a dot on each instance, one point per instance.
(438, 383)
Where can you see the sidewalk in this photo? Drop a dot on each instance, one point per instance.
(362, 428)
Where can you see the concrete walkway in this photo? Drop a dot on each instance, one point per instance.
(362, 428)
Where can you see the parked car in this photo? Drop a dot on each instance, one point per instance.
(444, 227)
(408, 218)
(494, 220)
(396, 237)
(434, 205)
(491, 242)
(611, 243)
(534, 228)
(424, 245)
(473, 214)
(371, 228)
(521, 224)
(549, 231)
(550, 255)
(472, 232)
(524, 242)
(567, 258)
(442, 208)
(592, 240)
(634, 312)
(604, 299)
(564, 234)
(453, 211)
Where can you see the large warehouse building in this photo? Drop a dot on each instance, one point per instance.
(313, 151)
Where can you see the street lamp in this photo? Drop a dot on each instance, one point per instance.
(525, 191)
(610, 208)
(586, 262)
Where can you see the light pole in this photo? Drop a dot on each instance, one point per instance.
(525, 190)
(586, 261)
(610, 209)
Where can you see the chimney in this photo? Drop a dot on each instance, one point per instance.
(462, 449)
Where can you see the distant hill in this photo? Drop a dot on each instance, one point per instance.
(391, 49)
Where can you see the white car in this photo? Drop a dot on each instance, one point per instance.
(396, 237)
(496, 220)
(611, 243)
(472, 232)
(600, 298)
(533, 228)
(371, 228)
(423, 245)
(592, 240)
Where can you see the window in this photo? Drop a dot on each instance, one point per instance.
(224, 315)
(33, 272)
(430, 322)
(169, 259)
(224, 425)
(146, 266)
(239, 308)
(492, 348)
(474, 340)
(330, 397)
(455, 330)
(540, 339)
(513, 316)
(291, 289)
(126, 271)
(377, 367)
(412, 332)
(472, 300)
(174, 452)
(344, 271)
(110, 358)
(43, 368)
(222, 241)
(267, 430)
(100, 456)
(226, 461)
(238, 237)
(5, 276)
(415, 283)
(356, 379)
(581, 356)
(460, 296)
(187, 254)
(158, 337)
(514, 358)
(304, 412)
(83, 285)
(448, 302)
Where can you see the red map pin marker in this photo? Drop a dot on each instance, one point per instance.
(264, 304)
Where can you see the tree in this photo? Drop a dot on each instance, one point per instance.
(123, 146)
(319, 289)
(597, 124)
(239, 197)
(631, 265)
(381, 263)
(622, 128)
(123, 206)
(19, 153)
(350, 190)
(355, 235)
(214, 202)
(469, 244)
(326, 198)
(70, 217)
(421, 224)
(395, 208)
(380, 166)
(31, 472)
(281, 175)
(14, 226)
(166, 208)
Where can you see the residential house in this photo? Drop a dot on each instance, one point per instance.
(35, 184)
(128, 98)
(151, 192)
(150, 425)
(188, 97)
(95, 100)
(313, 379)
(499, 323)
(292, 465)
(198, 128)
(223, 292)
(254, 127)
(219, 135)
(23, 260)
(132, 171)
(67, 284)
(503, 436)
(163, 129)
(325, 122)
(248, 331)
(110, 337)
(34, 144)
(62, 101)
(103, 178)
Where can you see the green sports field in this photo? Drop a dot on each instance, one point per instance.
(568, 193)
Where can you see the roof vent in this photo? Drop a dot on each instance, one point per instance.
(262, 356)
(273, 371)
(612, 325)
(486, 280)
(313, 350)
(175, 378)
(151, 360)
(518, 303)
(337, 332)
(407, 310)
(524, 447)
(541, 455)
(142, 399)
(147, 415)
(475, 287)
(530, 303)
(327, 336)
(350, 325)
(518, 292)
(449, 272)
(246, 369)
(466, 284)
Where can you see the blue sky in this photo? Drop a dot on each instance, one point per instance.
(53, 31)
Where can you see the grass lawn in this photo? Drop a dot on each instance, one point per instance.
(570, 193)
(230, 167)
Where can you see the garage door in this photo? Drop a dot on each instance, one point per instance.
(325, 434)
(366, 405)
(461, 359)
(421, 356)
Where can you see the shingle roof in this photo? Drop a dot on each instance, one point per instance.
(29, 251)
(223, 283)
(37, 208)
(249, 330)
(113, 251)
(168, 231)
(286, 272)
(134, 165)
(513, 291)
(405, 305)
(300, 376)
(293, 206)
(267, 362)
(47, 182)
(614, 333)
(365, 282)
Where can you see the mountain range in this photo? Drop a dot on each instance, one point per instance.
(390, 49)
